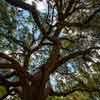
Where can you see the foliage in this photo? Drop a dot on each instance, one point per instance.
(58, 48)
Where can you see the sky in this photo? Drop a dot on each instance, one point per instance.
(41, 5)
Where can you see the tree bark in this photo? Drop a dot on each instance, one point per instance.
(36, 87)
(34, 92)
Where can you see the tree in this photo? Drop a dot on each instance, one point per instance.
(63, 41)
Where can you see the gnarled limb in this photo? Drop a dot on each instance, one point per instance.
(72, 56)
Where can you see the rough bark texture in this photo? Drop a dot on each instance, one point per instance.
(37, 91)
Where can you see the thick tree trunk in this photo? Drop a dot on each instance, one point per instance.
(36, 89)
(35, 93)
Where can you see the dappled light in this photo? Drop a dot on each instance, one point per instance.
(49, 49)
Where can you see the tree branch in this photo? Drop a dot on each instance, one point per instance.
(10, 75)
(73, 90)
(70, 5)
(4, 56)
(91, 16)
(38, 46)
(8, 83)
(22, 72)
(54, 57)
(72, 56)
(7, 66)
(32, 9)
(81, 25)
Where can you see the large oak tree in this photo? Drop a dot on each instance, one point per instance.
(35, 45)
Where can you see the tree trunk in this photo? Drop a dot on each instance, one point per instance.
(36, 90)
(35, 93)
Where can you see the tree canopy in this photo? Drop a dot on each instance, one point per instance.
(52, 52)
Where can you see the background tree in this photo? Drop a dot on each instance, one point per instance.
(50, 53)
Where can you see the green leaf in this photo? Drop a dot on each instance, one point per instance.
(3, 91)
